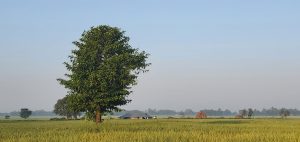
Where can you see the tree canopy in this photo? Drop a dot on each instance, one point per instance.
(63, 108)
(284, 113)
(102, 70)
(25, 113)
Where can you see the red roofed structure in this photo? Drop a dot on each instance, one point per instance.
(201, 115)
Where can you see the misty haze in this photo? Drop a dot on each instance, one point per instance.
(164, 60)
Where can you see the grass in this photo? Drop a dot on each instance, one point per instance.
(173, 130)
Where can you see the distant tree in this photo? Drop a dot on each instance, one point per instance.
(250, 112)
(7, 116)
(220, 112)
(166, 112)
(25, 113)
(272, 111)
(284, 113)
(227, 112)
(189, 112)
(63, 107)
(181, 113)
(42, 113)
(243, 113)
(152, 111)
(102, 70)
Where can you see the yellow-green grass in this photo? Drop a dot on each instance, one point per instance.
(173, 130)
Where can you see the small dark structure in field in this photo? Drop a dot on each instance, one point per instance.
(135, 115)
(7, 116)
(201, 115)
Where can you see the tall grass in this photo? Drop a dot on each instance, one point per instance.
(173, 130)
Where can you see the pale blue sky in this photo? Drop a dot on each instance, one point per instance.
(205, 54)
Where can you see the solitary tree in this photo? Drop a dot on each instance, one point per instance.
(284, 113)
(243, 113)
(25, 113)
(102, 70)
(250, 112)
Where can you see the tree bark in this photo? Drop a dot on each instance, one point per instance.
(98, 115)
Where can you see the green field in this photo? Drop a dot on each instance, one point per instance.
(180, 130)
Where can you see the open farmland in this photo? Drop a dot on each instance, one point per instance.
(208, 130)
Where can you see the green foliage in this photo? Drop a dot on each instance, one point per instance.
(102, 69)
(65, 107)
(25, 113)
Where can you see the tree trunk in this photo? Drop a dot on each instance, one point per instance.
(98, 115)
(75, 116)
(85, 116)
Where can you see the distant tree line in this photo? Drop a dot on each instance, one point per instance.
(275, 111)
(23, 113)
(33, 113)
(220, 112)
(190, 112)
(187, 112)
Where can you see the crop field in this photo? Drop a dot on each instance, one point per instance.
(164, 130)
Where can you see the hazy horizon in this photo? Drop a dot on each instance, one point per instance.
(204, 54)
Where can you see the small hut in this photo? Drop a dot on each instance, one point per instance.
(201, 115)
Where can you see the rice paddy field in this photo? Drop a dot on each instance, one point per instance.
(157, 130)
